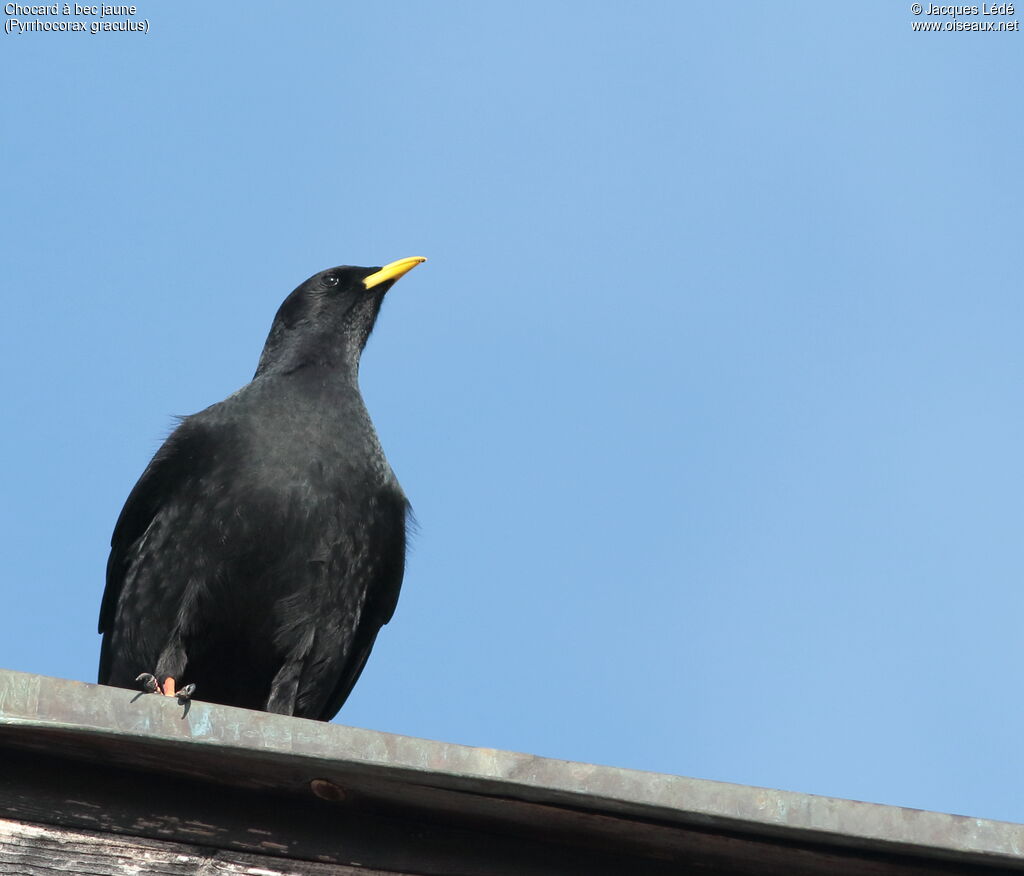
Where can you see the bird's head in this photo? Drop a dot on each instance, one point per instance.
(328, 318)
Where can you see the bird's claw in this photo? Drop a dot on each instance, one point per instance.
(148, 682)
(151, 685)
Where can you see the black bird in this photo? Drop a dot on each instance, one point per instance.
(263, 547)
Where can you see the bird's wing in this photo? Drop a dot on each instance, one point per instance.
(180, 462)
(381, 585)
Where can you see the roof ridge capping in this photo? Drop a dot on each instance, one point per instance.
(235, 746)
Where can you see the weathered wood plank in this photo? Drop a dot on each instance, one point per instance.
(433, 831)
(37, 850)
(360, 829)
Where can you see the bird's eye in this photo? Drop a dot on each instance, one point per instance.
(330, 280)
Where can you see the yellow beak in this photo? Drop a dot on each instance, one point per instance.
(392, 271)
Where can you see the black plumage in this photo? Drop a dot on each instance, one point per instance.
(263, 547)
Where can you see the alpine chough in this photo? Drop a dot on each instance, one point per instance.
(263, 547)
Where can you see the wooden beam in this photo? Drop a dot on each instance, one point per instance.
(43, 850)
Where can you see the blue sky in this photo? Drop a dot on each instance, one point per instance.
(707, 401)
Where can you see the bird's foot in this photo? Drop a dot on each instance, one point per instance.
(151, 685)
(148, 682)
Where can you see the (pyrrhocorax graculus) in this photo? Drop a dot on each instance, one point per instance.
(263, 547)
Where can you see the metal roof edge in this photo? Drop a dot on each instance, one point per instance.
(63, 715)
